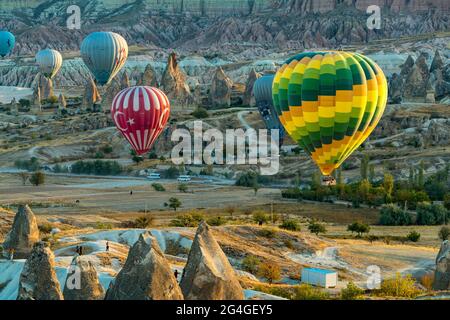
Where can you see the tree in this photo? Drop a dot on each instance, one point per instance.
(251, 264)
(364, 189)
(135, 157)
(24, 103)
(174, 203)
(371, 173)
(200, 113)
(359, 228)
(431, 214)
(260, 217)
(364, 167)
(316, 180)
(37, 178)
(316, 228)
(411, 177)
(269, 271)
(52, 100)
(392, 215)
(182, 187)
(444, 233)
(447, 201)
(388, 185)
(24, 176)
(290, 224)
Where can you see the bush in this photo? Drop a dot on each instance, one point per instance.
(431, 214)
(351, 292)
(251, 264)
(307, 292)
(187, 220)
(45, 228)
(32, 164)
(97, 167)
(402, 287)
(359, 228)
(182, 187)
(248, 179)
(174, 203)
(444, 233)
(269, 271)
(200, 113)
(391, 215)
(144, 221)
(260, 217)
(290, 224)
(413, 236)
(171, 173)
(316, 228)
(158, 187)
(37, 178)
(217, 221)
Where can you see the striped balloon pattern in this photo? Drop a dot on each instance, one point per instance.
(329, 103)
(7, 42)
(104, 53)
(140, 114)
(49, 62)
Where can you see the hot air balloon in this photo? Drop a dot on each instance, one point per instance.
(7, 42)
(104, 53)
(49, 62)
(140, 114)
(262, 90)
(329, 102)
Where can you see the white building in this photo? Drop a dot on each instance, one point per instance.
(319, 277)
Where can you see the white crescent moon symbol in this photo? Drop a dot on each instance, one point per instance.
(117, 122)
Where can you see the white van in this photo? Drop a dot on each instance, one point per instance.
(154, 176)
(184, 178)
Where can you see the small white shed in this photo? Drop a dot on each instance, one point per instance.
(319, 277)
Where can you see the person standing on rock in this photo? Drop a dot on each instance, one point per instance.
(11, 254)
(80, 251)
(107, 246)
(176, 274)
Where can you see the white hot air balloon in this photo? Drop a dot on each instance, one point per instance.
(49, 62)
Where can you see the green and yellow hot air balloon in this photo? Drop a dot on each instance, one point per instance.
(329, 102)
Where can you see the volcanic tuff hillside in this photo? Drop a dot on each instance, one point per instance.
(220, 26)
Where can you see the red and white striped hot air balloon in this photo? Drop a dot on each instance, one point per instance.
(140, 113)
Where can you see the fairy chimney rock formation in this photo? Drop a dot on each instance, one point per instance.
(91, 95)
(146, 275)
(249, 99)
(149, 77)
(62, 103)
(82, 281)
(442, 273)
(208, 274)
(38, 279)
(221, 89)
(23, 235)
(173, 82)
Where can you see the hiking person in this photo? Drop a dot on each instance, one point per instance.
(107, 246)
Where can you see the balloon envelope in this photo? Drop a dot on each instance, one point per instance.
(140, 114)
(262, 90)
(7, 42)
(329, 102)
(49, 62)
(104, 53)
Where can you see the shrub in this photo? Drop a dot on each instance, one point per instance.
(200, 113)
(37, 178)
(171, 173)
(359, 228)
(158, 187)
(260, 217)
(97, 167)
(403, 287)
(427, 281)
(187, 220)
(431, 214)
(32, 164)
(351, 292)
(413, 236)
(251, 264)
(270, 271)
(174, 203)
(316, 228)
(444, 233)
(45, 228)
(248, 179)
(391, 215)
(307, 292)
(182, 187)
(103, 226)
(290, 224)
(216, 221)
(144, 221)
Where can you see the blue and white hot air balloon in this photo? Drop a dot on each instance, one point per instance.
(262, 90)
(49, 62)
(104, 53)
(7, 42)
